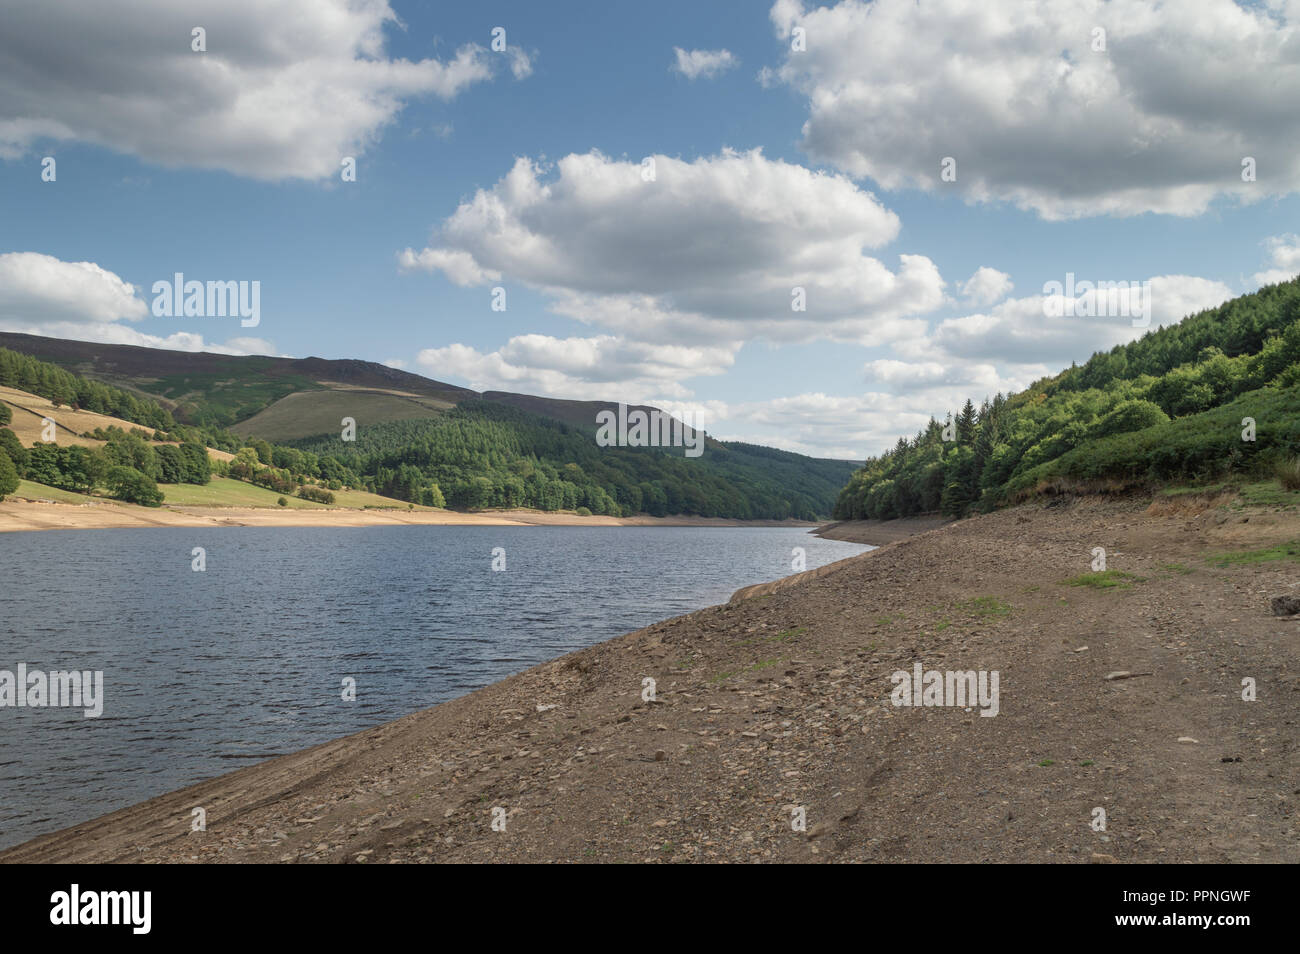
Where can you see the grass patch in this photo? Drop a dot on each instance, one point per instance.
(987, 606)
(1287, 473)
(1177, 568)
(1106, 580)
(1045, 763)
(31, 490)
(1284, 551)
(227, 492)
(1268, 494)
(1185, 490)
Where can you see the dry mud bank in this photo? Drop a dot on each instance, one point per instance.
(782, 701)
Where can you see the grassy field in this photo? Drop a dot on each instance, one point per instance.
(32, 491)
(221, 492)
(309, 413)
(28, 410)
(225, 492)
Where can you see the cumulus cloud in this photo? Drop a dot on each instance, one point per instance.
(1034, 114)
(986, 286)
(694, 64)
(283, 91)
(603, 367)
(821, 425)
(719, 249)
(44, 295)
(1056, 329)
(1284, 260)
(39, 288)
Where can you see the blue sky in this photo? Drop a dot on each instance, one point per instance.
(818, 166)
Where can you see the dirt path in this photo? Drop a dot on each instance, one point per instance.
(783, 701)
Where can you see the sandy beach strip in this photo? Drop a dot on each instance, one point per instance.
(18, 515)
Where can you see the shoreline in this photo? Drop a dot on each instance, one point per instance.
(18, 515)
(782, 699)
(877, 533)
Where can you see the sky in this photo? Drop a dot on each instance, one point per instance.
(813, 227)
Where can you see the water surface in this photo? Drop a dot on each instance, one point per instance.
(206, 672)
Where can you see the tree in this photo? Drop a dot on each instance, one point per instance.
(198, 465)
(13, 447)
(133, 486)
(8, 475)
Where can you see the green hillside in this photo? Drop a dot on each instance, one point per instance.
(416, 441)
(484, 454)
(1169, 407)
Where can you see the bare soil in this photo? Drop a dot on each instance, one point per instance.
(782, 700)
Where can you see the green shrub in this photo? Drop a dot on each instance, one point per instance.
(129, 484)
(316, 494)
(1288, 473)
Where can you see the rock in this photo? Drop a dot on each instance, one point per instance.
(1286, 605)
(1188, 738)
(1100, 859)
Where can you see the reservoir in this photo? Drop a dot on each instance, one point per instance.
(205, 672)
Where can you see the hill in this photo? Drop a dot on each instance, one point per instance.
(220, 390)
(1209, 398)
(483, 454)
(417, 440)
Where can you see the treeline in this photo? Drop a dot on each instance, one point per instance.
(478, 455)
(127, 466)
(131, 463)
(64, 388)
(481, 454)
(1169, 406)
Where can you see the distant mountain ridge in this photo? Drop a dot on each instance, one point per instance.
(420, 440)
(201, 387)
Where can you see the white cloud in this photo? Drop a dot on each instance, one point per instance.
(706, 63)
(521, 64)
(284, 91)
(36, 287)
(1015, 93)
(986, 286)
(708, 252)
(459, 267)
(603, 367)
(1020, 331)
(818, 424)
(1284, 258)
(43, 295)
